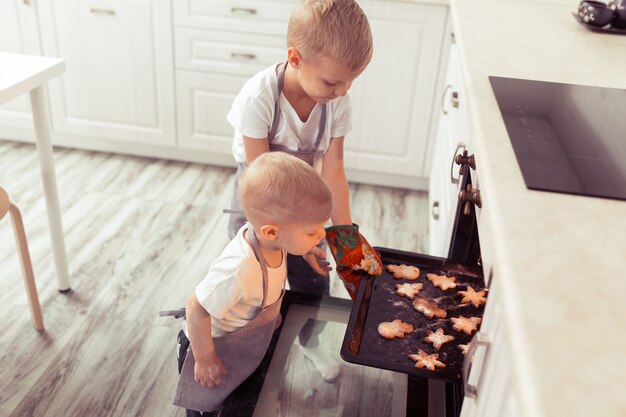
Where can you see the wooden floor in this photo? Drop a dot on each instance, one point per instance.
(140, 233)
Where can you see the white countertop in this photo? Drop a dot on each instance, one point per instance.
(559, 259)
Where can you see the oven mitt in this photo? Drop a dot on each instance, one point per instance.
(353, 254)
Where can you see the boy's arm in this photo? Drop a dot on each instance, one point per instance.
(335, 176)
(209, 369)
(344, 239)
(255, 147)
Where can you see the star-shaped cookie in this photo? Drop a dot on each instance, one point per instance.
(471, 296)
(424, 360)
(393, 329)
(442, 281)
(429, 309)
(467, 325)
(408, 290)
(438, 338)
(409, 272)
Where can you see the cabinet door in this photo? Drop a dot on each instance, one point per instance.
(392, 100)
(491, 372)
(203, 101)
(19, 34)
(118, 83)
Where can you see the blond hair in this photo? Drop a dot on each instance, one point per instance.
(334, 29)
(280, 188)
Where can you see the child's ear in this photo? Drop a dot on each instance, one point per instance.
(294, 58)
(269, 231)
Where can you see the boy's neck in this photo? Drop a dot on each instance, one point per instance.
(296, 96)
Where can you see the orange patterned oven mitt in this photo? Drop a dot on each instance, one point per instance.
(353, 254)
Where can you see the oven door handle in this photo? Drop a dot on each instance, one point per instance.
(480, 339)
(459, 148)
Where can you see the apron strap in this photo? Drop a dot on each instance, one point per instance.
(276, 119)
(256, 248)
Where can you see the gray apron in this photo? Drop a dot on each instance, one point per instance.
(241, 351)
(310, 155)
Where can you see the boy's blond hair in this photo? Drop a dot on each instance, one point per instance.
(278, 188)
(334, 29)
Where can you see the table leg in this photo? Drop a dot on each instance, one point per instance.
(46, 162)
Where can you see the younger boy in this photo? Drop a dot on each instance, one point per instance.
(232, 313)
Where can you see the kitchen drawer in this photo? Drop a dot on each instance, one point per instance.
(203, 100)
(250, 16)
(226, 52)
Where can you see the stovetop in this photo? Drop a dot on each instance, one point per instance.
(567, 138)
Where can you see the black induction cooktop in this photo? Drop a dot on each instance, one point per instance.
(567, 138)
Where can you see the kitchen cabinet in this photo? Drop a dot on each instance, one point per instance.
(219, 45)
(157, 77)
(452, 139)
(392, 101)
(119, 80)
(489, 390)
(19, 33)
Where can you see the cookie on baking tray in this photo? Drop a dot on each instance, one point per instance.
(467, 325)
(429, 309)
(438, 338)
(424, 360)
(408, 290)
(442, 281)
(463, 348)
(471, 296)
(409, 272)
(392, 329)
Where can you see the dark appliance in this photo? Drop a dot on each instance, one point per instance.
(567, 138)
(420, 394)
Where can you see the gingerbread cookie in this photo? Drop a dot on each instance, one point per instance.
(429, 309)
(392, 329)
(404, 271)
(408, 290)
(442, 281)
(475, 297)
(438, 338)
(463, 349)
(467, 325)
(424, 360)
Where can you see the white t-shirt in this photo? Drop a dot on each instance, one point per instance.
(232, 290)
(252, 114)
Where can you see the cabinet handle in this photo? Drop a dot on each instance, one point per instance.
(242, 10)
(237, 55)
(479, 339)
(443, 99)
(435, 210)
(26, 2)
(96, 10)
(453, 180)
(454, 99)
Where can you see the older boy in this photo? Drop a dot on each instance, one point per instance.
(232, 313)
(302, 107)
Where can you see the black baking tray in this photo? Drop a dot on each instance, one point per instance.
(376, 302)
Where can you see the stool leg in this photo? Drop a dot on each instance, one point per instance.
(27, 267)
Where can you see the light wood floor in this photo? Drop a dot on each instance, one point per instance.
(140, 233)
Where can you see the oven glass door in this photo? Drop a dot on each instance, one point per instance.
(289, 381)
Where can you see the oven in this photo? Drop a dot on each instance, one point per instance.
(286, 382)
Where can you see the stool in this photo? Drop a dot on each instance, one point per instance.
(27, 267)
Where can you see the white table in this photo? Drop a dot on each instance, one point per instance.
(20, 74)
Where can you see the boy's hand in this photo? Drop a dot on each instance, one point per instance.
(210, 372)
(353, 255)
(316, 258)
